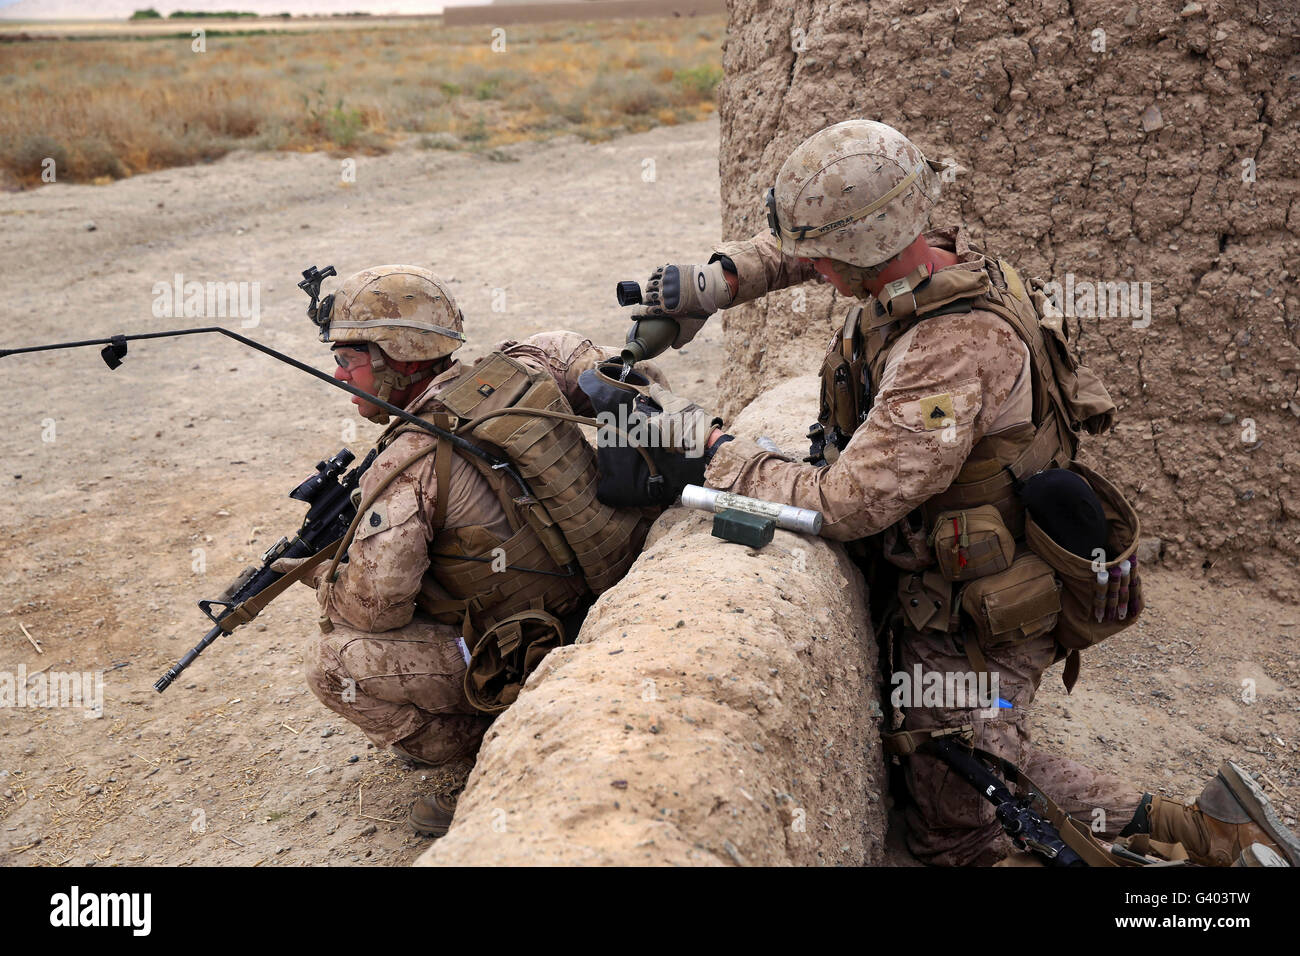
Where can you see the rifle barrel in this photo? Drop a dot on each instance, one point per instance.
(162, 683)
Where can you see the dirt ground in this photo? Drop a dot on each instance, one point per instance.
(120, 484)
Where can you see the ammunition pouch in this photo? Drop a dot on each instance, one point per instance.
(1014, 605)
(845, 395)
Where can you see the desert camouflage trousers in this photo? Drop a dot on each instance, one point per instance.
(403, 687)
(949, 823)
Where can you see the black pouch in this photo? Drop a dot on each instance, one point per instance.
(623, 477)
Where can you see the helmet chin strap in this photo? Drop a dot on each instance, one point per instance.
(389, 380)
(857, 277)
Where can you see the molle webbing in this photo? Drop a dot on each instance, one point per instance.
(561, 527)
(482, 595)
(999, 290)
(560, 466)
(1009, 301)
(943, 293)
(555, 459)
(999, 489)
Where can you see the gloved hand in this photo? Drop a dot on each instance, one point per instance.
(687, 294)
(285, 565)
(683, 427)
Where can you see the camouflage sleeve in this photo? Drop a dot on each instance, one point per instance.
(761, 267)
(946, 391)
(566, 355)
(375, 589)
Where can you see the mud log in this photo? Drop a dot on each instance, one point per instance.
(1099, 141)
(718, 708)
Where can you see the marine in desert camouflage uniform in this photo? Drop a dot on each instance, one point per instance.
(951, 400)
(383, 663)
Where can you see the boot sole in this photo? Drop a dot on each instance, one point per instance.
(1256, 803)
(427, 830)
(1259, 855)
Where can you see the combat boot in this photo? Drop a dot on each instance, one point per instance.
(1231, 813)
(431, 816)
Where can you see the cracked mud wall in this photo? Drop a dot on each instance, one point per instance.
(716, 710)
(1129, 164)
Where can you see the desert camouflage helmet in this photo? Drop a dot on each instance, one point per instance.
(405, 310)
(858, 191)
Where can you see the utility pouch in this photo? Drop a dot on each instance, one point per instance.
(1014, 605)
(624, 476)
(925, 599)
(845, 396)
(1083, 597)
(506, 654)
(1087, 403)
(972, 543)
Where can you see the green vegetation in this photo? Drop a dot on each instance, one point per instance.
(699, 80)
(215, 15)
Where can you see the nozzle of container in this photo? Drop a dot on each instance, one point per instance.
(649, 337)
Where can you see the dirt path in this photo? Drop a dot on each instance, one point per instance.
(193, 445)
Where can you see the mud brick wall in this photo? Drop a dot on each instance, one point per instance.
(716, 710)
(1117, 141)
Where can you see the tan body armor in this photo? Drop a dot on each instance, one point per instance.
(583, 546)
(1012, 583)
(508, 593)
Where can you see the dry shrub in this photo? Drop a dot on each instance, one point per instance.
(25, 155)
(109, 108)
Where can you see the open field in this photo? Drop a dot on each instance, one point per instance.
(106, 109)
(181, 26)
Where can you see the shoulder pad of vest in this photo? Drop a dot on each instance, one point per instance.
(494, 381)
(951, 290)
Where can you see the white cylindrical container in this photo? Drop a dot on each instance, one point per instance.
(786, 516)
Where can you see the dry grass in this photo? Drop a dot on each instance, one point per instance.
(104, 109)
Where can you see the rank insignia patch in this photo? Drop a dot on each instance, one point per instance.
(937, 411)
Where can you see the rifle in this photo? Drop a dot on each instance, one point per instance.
(1026, 827)
(329, 514)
